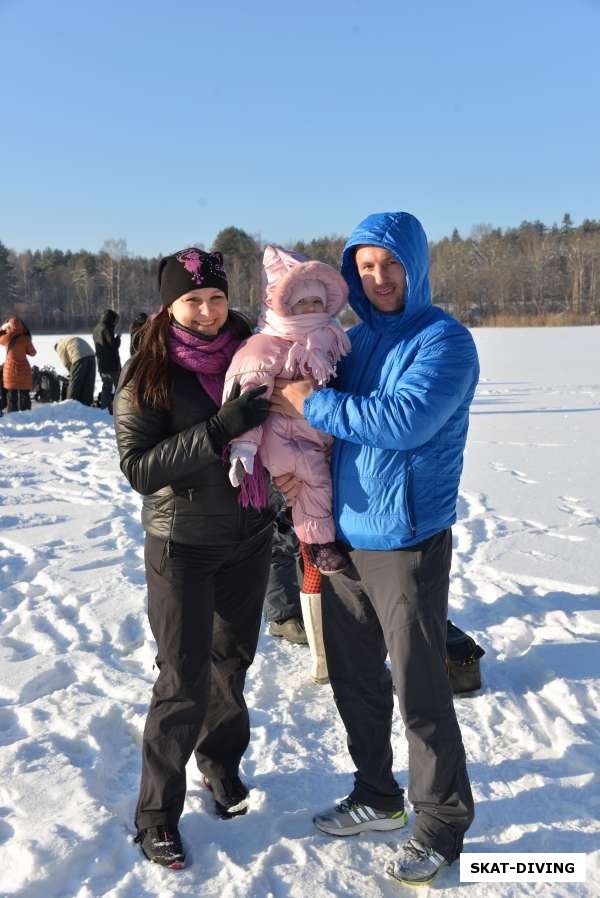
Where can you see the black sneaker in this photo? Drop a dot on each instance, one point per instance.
(327, 558)
(162, 845)
(230, 796)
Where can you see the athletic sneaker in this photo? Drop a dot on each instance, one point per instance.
(349, 817)
(230, 796)
(162, 845)
(416, 864)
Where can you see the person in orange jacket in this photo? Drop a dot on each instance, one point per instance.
(16, 373)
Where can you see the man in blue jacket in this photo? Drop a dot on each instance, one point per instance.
(399, 413)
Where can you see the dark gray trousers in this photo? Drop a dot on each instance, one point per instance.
(110, 380)
(82, 380)
(397, 603)
(282, 600)
(204, 608)
(18, 400)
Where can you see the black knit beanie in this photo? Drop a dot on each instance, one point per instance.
(189, 270)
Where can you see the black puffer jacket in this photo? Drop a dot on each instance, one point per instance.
(169, 458)
(107, 343)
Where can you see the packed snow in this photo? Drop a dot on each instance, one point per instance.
(76, 658)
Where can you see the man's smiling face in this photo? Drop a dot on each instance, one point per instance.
(383, 278)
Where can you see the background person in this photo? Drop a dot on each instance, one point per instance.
(293, 599)
(135, 332)
(17, 376)
(79, 359)
(207, 555)
(282, 609)
(107, 343)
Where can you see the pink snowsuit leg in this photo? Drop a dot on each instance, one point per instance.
(291, 446)
(311, 512)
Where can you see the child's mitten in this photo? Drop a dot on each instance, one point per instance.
(242, 461)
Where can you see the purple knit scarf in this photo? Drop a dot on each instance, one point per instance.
(209, 360)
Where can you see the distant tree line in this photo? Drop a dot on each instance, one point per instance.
(546, 275)
(532, 273)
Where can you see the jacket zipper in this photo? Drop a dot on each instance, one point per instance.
(407, 501)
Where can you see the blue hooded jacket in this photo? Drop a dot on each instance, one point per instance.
(400, 409)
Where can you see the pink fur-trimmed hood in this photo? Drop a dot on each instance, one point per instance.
(284, 273)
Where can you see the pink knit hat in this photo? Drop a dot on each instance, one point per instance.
(288, 277)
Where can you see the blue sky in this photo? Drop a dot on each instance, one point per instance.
(162, 123)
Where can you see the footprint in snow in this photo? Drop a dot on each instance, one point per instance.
(518, 475)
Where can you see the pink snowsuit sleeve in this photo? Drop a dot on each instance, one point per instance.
(257, 362)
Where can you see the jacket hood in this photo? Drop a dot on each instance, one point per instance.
(285, 274)
(139, 320)
(109, 317)
(401, 234)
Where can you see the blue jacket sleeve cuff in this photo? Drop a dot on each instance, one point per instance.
(319, 409)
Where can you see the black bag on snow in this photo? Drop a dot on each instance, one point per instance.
(47, 385)
(463, 656)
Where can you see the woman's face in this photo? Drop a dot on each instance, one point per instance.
(203, 310)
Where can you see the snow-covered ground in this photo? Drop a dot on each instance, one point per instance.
(76, 660)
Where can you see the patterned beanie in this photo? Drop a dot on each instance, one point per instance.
(189, 270)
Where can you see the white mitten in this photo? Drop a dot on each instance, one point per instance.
(242, 461)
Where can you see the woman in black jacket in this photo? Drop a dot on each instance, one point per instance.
(207, 547)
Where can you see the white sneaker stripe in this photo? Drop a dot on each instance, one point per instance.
(355, 816)
(371, 812)
(362, 810)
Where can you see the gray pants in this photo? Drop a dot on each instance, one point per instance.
(282, 599)
(18, 400)
(110, 379)
(82, 379)
(397, 603)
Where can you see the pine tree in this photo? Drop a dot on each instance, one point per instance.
(8, 284)
(566, 223)
(241, 255)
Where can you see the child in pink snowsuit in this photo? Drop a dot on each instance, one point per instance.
(297, 337)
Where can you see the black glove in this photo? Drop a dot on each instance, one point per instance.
(237, 415)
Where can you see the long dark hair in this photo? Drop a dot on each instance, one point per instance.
(24, 333)
(149, 371)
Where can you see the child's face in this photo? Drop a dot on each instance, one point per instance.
(308, 305)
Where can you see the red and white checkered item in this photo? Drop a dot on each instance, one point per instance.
(311, 584)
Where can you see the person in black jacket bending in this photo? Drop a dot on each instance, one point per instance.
(107, 343)
(207, 545)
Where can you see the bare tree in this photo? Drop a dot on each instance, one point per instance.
(112, 254)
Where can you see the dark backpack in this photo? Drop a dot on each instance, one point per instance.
(47, 385)
(463, 656)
